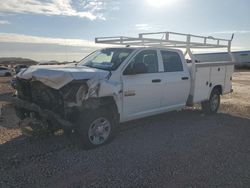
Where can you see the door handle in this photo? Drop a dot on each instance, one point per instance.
(156, 81)
(184, 78)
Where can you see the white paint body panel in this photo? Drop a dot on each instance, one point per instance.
(147, 96)
(209, 76)
(175, 90)
(57, 76)
(228, 79)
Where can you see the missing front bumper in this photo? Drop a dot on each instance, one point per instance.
(45, 115)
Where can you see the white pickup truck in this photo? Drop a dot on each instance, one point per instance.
(114, 85)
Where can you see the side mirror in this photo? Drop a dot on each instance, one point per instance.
(129, 71)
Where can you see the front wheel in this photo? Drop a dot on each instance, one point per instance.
(96, 128)
(212, 105)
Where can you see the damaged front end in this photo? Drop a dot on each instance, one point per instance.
(41, 107)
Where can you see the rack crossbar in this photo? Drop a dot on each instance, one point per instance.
(167, 40)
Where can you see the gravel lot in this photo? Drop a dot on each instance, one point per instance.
(177, 149)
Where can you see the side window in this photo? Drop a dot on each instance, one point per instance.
(171, 61)
(144, 62)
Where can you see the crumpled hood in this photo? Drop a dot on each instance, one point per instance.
(57, 76)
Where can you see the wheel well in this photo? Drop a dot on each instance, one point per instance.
(110, 104)
(102, 102)
(219, 88)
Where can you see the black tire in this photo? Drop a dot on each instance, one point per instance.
(20, 113)
(7, 74)
(212, 105)
(89, 121)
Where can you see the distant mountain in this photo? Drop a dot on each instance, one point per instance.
(16, 61)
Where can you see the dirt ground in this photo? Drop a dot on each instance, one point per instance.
(238, 103)
(177, 149)
(8, 120)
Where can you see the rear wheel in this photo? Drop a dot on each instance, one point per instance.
(96, 128)
(212, 105)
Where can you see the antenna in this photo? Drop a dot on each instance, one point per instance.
(232, 37)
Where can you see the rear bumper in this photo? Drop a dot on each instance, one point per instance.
(43, 114)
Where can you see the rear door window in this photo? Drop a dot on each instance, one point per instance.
(149, 59)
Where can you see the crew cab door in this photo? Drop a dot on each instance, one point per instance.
(142, 85)
(176, 79)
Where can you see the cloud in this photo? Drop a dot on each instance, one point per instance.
(45, 48)
(18, 38)
(143, 27)
(90, 9)
(147, 27)
(45, 52)
(4, 22)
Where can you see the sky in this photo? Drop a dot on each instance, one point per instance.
(64, 30)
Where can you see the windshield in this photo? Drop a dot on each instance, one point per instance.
(106, 59)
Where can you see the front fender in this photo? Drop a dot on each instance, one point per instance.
(112, 89)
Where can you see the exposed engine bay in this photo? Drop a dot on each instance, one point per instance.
(37, 101)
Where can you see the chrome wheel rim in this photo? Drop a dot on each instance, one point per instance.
(99, 131)
(214, 102)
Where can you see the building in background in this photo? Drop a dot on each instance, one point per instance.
(242, 58)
